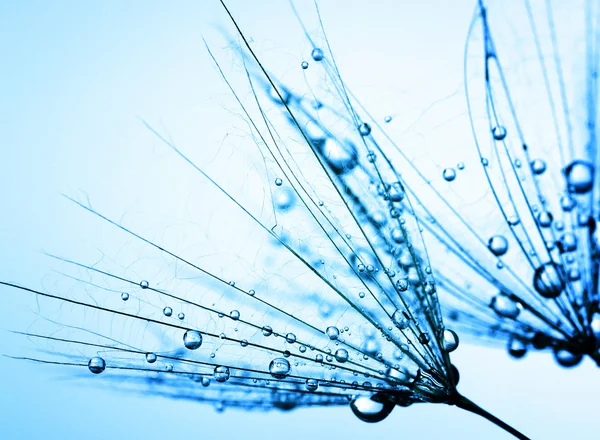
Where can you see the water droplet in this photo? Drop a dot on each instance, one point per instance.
(235, 315)
(460, 165)
(221, 374)
(580, 176)
(499, 132)
(181, 316)
(169, 367)
(498, 245)
(332, 332)
(449, 174)
(304, 65)
(567, 242)
(595, 325)
(192, 339)
(567, 203)
(151, 358)
(364, 129)
(279, 368)
(449, 340)
(387, 119)
(566, 359)
(424, 338)
(278, 182)
(371, 156)
(517, 348)
(96, 365)
(167, 311)
(544, 219)
(538, 166)
(341, 355)
(251, 292)
(244, 342)
(124, 296)
(400, 320)
(290, 338)
(317, 54)
(312, 384)
(505, 307)
(205, 381)
(144, 284)
(402, 285)
(267, 330)
(548, 280)
(371, 411)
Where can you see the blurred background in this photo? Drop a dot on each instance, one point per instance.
(76, 80)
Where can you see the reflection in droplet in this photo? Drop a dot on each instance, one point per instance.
(279, 368)
(96, 365)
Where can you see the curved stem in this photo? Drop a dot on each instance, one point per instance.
(466, 404)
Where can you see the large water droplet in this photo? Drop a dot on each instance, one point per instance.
(538, 166)
(317, 54)
(364, 129)
(449, 340)
(312, 384)
(580, 176)
(400, 320)
(124, 296)
(96, 365)
(267, 330)
(505, 307)
(221, 374)
(369, 410)
(192, 339)
(566, 359)
(449, 174)
(332, 333)
(544, 219)
(517, 348)
(498, 245)
(151, 358)
(548, 280)
(167, 311)
(279, 368)
(290, 338)
(499, 132)
(341, 355)
(234, 314)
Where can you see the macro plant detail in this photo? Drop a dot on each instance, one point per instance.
(318, 289)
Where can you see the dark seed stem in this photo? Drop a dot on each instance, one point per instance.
(466, 404)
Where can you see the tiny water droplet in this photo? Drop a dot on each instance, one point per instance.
(387, 119)
(538, 166)
(124, 296)
(449, 174)
(151, 358)
(167, 311)
(278, 182)
(304, 65)
(498, 245)
(181, 316)
(317, 54)
(144, 284)
(499, 132)
(312, 384)
(332, 332)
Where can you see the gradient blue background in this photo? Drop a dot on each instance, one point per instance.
(75, 77)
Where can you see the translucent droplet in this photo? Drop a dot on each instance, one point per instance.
(144, 284)
(192, 339)
(595, 325)
(538, 166)
(364, 129)
(341, 355)
(96, 365)
(498, 245)
(234, 314)
(205, 381)
(332, 333)
(151, 358)
(279, 368)
(499, 132)
(424, 338)
(396, 192)
(567, 242)
(370, 411)
(181, 316)
(387, 119)
(402, 284)
(567, 203)
(400, 320)
(317, 54)
(580, 176)
(167, 311)
(449, 340)
(566, 359)
(517, 348)
(124, 296)
(267, 330)
(304, 65)
(544, 219)
(221, 374)
(449, 174)
(244, 342)
(548, 280)
(278, 182)
(251, 292)
(290, 338)
(505, 307)
(460, 165)
(311, 384)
